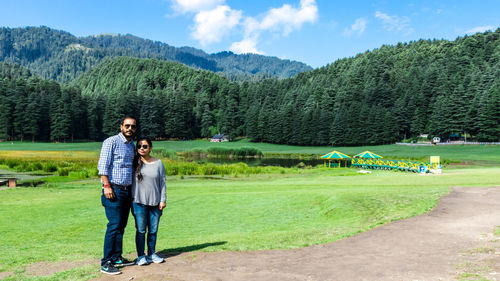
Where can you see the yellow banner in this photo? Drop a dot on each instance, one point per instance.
(434, 160)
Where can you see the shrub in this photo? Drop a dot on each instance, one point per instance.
(36, 166)
(11, 163)
(62, 171)
(163, 153)
(79, 174)
(49, 167)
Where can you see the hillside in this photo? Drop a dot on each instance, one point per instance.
(436, 87)
(60, 56)
(392, 93)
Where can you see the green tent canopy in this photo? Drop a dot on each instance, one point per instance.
(335, 155)
(367, 154)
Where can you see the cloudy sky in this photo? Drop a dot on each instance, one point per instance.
(316, 32)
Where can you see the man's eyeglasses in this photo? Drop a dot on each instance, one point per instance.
(128, 126)
(144, 146)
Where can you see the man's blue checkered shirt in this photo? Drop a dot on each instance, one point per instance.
(116, 160)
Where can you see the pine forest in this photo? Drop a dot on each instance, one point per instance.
(396, 92)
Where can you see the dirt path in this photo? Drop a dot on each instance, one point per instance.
(454, 240)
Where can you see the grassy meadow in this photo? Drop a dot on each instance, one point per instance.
(62, 220)
(479, 153)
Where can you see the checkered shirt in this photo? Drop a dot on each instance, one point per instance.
(116, 160)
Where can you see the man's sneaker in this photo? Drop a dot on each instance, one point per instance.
(142, 261)
(109, 268)
(156, 259)
(121, 261)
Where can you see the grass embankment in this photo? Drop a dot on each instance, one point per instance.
(65, 221)
(455, 153)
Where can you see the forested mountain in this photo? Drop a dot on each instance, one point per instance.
(60, 56)
(168, 99)
(437, 87)
(388, 94)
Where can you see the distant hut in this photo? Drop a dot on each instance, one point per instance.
(219, 138)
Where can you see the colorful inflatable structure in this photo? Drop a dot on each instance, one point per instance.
(370, 160)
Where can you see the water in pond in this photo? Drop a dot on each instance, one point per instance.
(253, 162)
(21, 176)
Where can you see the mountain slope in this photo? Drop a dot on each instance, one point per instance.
(60, 56)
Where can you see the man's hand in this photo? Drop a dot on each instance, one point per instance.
(108, 192)
(162, 205)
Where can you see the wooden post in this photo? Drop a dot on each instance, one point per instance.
(12, 182)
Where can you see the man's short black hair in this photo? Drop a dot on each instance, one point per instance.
(127, 117)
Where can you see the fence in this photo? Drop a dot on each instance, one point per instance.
(450, 143)
(400, 165)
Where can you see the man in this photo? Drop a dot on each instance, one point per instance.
(115, 169)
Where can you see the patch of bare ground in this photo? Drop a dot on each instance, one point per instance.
(49, 268)
(5, 274)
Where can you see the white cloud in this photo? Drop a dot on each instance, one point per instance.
(358, 26)
(284, 20)
(287, 18)
(214, 20)
(480, 29)
(185, 6)
(211, 26)
(394, 23)
(245, 46)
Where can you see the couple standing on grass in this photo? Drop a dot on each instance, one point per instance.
(131, 178)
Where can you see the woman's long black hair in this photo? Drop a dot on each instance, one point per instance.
(137, 159)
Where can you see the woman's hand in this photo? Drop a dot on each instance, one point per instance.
(162, 205)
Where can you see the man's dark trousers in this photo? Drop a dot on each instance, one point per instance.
(117, 211)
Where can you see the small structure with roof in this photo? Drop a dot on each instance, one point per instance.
(219, 138)
(368, 154)
(336, 157)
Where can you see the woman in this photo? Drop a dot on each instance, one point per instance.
(148, 200)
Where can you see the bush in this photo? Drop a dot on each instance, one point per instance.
(62, 171)
(49, 167)
(163, 153)
(36, 166)
(79, 174)
(11, 163)
(174, 168)
(237, 152)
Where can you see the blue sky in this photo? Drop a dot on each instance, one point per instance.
(316, 32)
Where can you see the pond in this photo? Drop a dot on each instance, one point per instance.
(23, 176)
(253, 162)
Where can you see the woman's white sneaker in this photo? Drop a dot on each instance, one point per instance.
(156, 258)
(142, 260)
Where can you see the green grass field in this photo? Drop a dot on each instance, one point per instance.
(64, 221)
(477, 153)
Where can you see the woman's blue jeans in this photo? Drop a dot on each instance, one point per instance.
(145, 217)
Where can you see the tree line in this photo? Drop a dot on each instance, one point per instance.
(437, 87)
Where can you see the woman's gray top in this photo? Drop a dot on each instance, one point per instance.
(152, 189)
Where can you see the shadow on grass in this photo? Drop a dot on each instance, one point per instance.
(172, 252)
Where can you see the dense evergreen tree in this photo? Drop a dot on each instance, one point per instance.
(444, 88)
